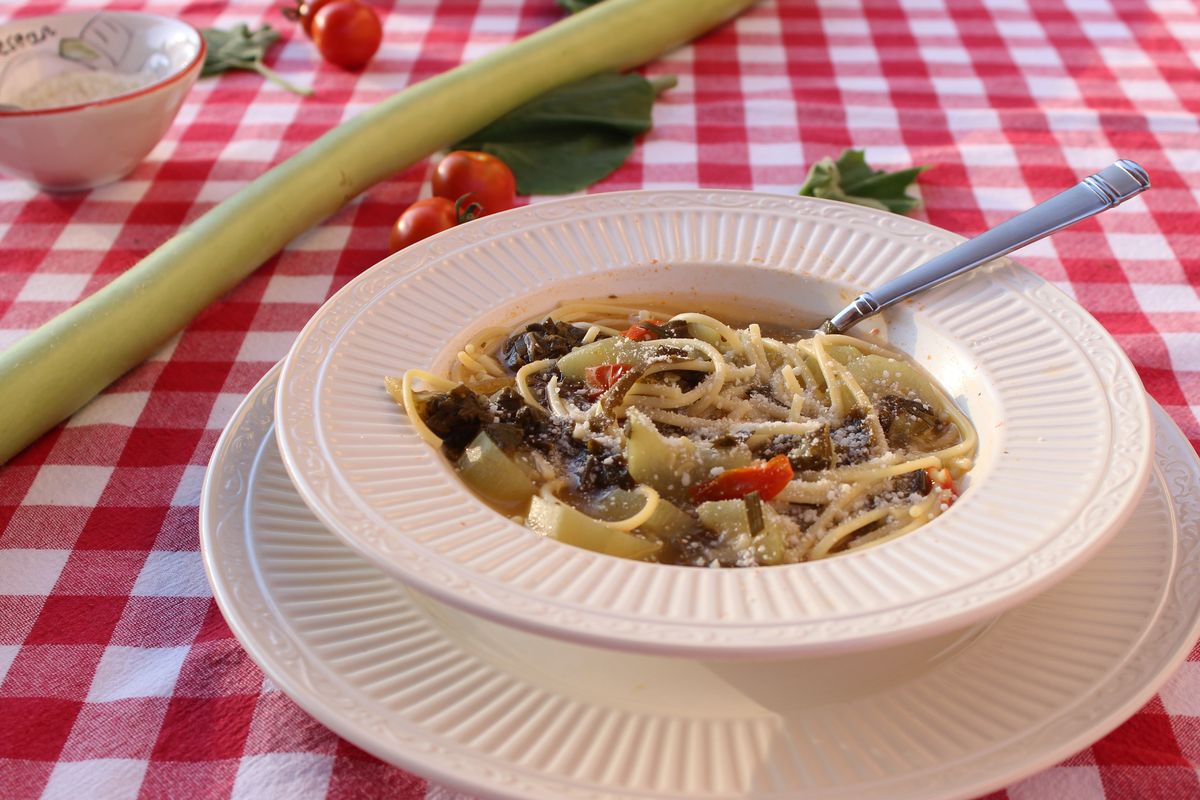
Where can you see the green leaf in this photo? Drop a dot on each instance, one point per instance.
(575, 6)
(851, 180)
(238, 48)
(571, 137)
(242, 48)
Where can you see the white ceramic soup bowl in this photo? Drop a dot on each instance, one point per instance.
(1065, 435)
(85, 96)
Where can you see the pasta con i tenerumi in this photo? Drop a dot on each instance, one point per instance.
(680, 439)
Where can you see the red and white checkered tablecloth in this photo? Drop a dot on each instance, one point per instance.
(118, 676)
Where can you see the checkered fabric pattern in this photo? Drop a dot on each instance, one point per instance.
(118, 676)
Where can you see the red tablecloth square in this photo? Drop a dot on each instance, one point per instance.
(121, 528)
(204, 729)
(160, 447)
(35, 728)
(1146, 740)
(76, 619)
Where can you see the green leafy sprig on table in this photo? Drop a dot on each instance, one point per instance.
(574, 136)
(575, 6)
(242, 48)
(851, 180)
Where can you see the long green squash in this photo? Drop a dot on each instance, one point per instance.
(57, 369)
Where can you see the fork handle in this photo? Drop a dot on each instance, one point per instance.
(1106, 189)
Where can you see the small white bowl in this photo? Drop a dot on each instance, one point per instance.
(1065, 434)
(84, 97)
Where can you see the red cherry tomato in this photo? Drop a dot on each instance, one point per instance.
(303, 12)
(643, 331)
(941, 480)
(347, 33)
(421, 220)
(601, 377)
(767, 478)
(486, 179)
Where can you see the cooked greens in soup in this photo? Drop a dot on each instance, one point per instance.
(683, 440)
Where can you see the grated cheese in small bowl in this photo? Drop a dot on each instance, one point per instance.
(84, 86)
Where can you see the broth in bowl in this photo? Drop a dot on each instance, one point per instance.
(681, 437)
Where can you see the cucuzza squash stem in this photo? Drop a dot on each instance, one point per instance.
(55, 370)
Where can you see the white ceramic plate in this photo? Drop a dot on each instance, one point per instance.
(502, 713)
(1065, 431)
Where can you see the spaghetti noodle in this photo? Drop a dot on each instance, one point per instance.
(681, 439)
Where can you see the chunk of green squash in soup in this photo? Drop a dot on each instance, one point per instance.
(612, 350)
(666, 523)
(662, 462)
(770, 542)
(728, 518)
(843, 353)
(559, 521)
(710, 457)
(657, 461)
(731, 520)
(880, 375)
(574, 364)
(493, 475)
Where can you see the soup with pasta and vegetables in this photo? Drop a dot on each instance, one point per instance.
(680, 438)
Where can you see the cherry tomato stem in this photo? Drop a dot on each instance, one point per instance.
(465, 210)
